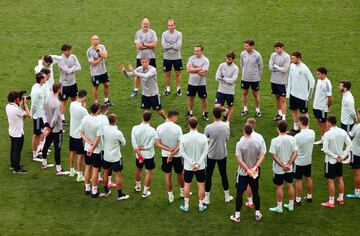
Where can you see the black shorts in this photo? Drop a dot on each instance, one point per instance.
(149, 164)
(150, 102)
(199, 174)
(151, 63)
(333, 170)
(94, 160)
(320, 115)
(300, 171)
(246, 85)
(100, 79)
(176, 162)
(38, 126)
(279, 179)
(68, 91)
(168, 64)
(221, 98)
(347, 128)
(77, 145)
(278, 89)
(297, 103)
(243, 181)
(115, 166)
(200, 90)
(354, 161)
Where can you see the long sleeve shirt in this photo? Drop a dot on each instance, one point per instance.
(348, 114)
(37, 101)
(148, 80)
(194, 78)
(301, 83)
(93, 55)
(52, 110)
(227, 75)
(142, 37)
(334, 141)
(143, 135)
(171, 43)
(252, 66)
(67, 68)
(194, 149)
(40, 65)
(279, 65)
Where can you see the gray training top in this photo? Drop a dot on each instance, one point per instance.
(252, 66)
(52, 110)
(145, 37)
(279, 65)
(218, 134)
(227, 75)
(67, 68)
(249, 150)
(171, 43)
(194, 78)
(92, 55)
(148, 80)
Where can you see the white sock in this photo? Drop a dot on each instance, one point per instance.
(207, 195)
(291, 203)
(280, 113)
(178, 88)
(245, 108)
(34, 154)
(250, 200)
(106, 99)
(44, 162)
(87, 187)
(257, 109)
(40, 147)
(309, 196)
(357, 191)
(109, 179)
(298, 199)
(72, 169)
(341, 196)
(190, 112)
(62, 116)
(168, 88)
(182, 190)
(94, 190)
(201, 203)
(170, 195)
(80, 174)
(226, 193)
(279, 205)
(136, 89)
(331, 200)
(296, 126)
(58, 168)
(257, 213)
(186, 202)
(145, 190)
(284, 117)
(237, 214)
(137, 183)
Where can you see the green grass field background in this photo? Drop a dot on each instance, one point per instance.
(39, 203)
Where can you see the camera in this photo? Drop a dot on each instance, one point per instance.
(23, 96)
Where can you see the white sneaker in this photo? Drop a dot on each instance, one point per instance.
(62, 173)
(47, 166)
(318, 142)
(145, 195)
(123, 197)
(233, 218)
(73, 173)
(206, 200)
(80, 178)
(105, 194)
(229, 198)
(37, 159)
(138, 188)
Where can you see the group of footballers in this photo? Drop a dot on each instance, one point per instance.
(96, 139)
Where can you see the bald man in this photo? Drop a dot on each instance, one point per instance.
(145, 43)
(96, 55)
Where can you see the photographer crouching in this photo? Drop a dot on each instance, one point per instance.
(16, 111)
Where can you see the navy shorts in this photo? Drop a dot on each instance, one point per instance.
(177, 64)
(320, 115)
(333, 170)
(243, 181)
(354, 161)
(149, 164)
(278, 89)
(199, 174)
(347, 128)
(254, 85)
(176, 162)
(77, 145)
(278, 179)
(300, 171)
(100, 79)
(115, 166)
(151, 102)
(38, 126)
(221, 98)
(151, 63)
(200, 90)
(298, 104)
(94, 160)
(68, 91)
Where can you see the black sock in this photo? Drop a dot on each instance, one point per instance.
(120, 192)
(106, 189)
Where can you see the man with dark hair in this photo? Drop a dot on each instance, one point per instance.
(304, 141)
(171, 41)
(112, 139)
(76, 146)
(36, 110)
(300, 88)
(322, 100)
(145, 43)
(197, 67)
(143, 140)
(252, 67)
(167, 138)
(90, 132)
(218, 133)
(279, 65)
(150, 92)
(68, 65)
(226, 74)
(16, 111)
(48, 61)
(355, 158)
(334, 141)
(284, 151)
(194, 148)
(249, 157)
(96, 55)
(53, 130)
(348, 114)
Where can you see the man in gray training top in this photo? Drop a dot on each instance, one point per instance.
(150, 92)
(279, 65)
(252, 68)
(171, 41)
(145, 43)
(218, 134)
(96, 55)
(226, 74)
